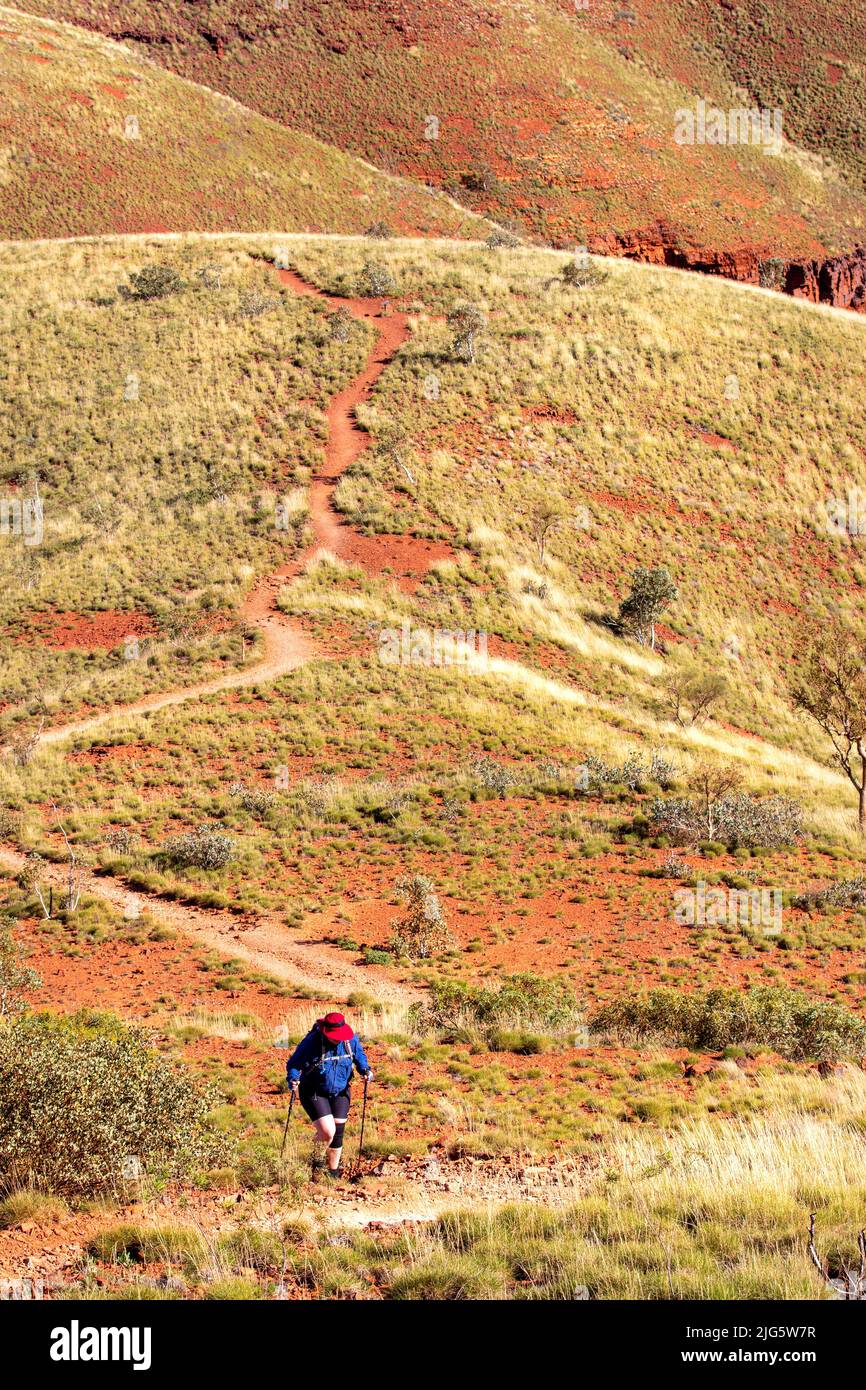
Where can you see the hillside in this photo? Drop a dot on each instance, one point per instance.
(95, 139)
(602, 403)
(263, 492)
(559, 118)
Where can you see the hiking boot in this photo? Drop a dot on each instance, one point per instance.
(335, 1173)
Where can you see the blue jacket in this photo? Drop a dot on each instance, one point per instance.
(326, 1065)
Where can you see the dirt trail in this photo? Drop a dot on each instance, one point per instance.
(392, 1192)
(264, 943)
(286, 646)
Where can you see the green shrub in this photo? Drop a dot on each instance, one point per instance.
(373, 956)
(375, 280)
(521, 1005)
(15, 976)
(782, 1020)
(739, 819)
(202, 848)
(844, 893)
(423, 931)
(86, 1105)
(153, 282)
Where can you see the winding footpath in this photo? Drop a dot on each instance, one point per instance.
(267, 945)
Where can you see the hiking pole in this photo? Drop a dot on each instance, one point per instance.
(361, 1140)
(286, 1130)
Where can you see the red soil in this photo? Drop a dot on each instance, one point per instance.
(102, 631)
(716, 441)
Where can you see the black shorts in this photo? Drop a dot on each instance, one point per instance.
(318, 1104)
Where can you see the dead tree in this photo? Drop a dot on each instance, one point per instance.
(72, 897)
(22, 748)
(545, 520)
(29, 880)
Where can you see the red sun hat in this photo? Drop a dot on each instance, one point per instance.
(335, 1028)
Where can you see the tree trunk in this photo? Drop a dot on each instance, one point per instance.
(862, 805)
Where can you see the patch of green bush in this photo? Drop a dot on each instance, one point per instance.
(781, 1020)
(521, 1006)
(86, 1106)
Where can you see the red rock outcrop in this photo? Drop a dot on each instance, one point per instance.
(838, 280)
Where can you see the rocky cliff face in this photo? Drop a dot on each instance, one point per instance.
(839, 280)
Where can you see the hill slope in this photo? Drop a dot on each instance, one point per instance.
(273, 815)
(559, 118)
(610, 403)
(95, 139)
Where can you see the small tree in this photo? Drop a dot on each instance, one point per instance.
(153, 282)
(581, 275)
(502, 238)
(651, 592)
(832, 689)
(467, 322)
(544, 522)
(15, 976)
(771, 273)
(712, 782)
(72, 895)
(379, 231)
(423, 931)
(692, 693)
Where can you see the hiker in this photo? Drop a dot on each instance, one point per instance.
(319, 1072)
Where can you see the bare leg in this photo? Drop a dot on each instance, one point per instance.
(324, 1133)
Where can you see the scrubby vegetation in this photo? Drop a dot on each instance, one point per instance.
(778, 1020)
(234, 168)
(203, 848)
(573, 140)
(493, 840)
(86, 1106)
(506, 1015)
(736, 820)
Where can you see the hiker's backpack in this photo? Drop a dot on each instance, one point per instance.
(333, 1070)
